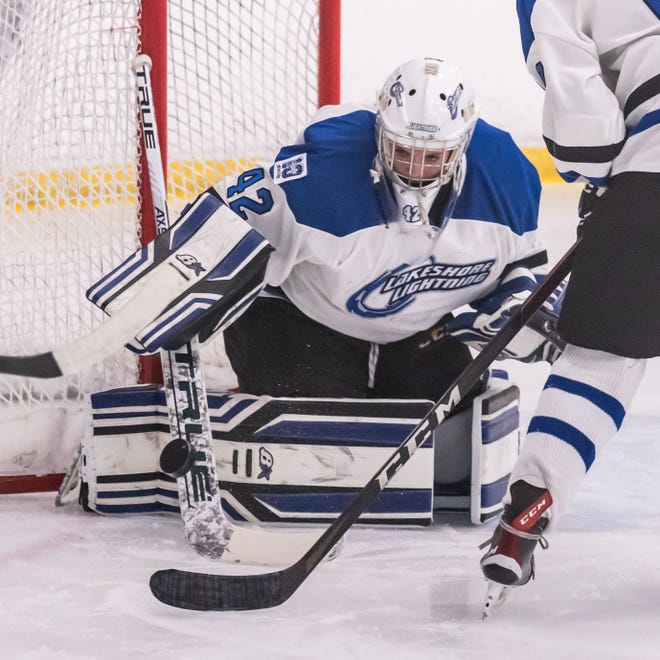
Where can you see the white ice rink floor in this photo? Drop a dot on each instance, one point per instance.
(74, 585)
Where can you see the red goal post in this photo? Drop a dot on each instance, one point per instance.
(232, 80)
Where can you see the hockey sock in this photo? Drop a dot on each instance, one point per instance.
(581, 407)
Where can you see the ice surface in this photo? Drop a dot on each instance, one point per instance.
(74, 585)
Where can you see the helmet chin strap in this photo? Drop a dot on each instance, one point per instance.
(417, 184)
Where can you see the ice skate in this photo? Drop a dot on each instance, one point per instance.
(509, 562)
(495, 596)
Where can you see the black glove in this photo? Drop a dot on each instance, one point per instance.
(587, 203)
(588, 200)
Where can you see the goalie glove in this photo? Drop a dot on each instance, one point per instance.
(221, 261)
(477, 328)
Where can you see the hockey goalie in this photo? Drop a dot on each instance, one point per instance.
(351, 276)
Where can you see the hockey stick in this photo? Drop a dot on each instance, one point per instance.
(190, 453)
(205, 526)
(198, 591)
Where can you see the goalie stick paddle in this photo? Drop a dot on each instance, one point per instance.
(200, 591)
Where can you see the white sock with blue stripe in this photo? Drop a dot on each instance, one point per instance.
(581, 407)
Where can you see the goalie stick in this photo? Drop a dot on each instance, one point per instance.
(205, 526)
(189, 456)
(199, 591)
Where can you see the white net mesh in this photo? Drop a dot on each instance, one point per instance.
(242, 79)
(253, 66)
(67, 178)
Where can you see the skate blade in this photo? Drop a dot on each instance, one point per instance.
(495, 596)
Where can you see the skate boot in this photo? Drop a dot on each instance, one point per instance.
(509, 561)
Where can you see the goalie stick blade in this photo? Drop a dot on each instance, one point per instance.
(271, 548)
(216, 593)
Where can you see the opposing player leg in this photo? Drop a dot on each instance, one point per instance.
(611, 301)
(581, 407)
(611, 321)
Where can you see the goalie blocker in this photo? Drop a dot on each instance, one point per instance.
(295, 460)
(221, 257)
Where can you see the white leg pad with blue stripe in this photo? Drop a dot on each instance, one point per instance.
(475, 451)
(278, 460)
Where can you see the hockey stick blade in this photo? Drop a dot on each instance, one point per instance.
(198, 591)
(265, 547)
(191, 590)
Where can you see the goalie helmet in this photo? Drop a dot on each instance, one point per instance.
(425, 120)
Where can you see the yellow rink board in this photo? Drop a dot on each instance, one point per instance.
(85, 187)
(543, 163)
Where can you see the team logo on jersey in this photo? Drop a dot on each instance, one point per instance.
(453, 99)
(396, 289)
(411, 213)
(396, 90)
(291, 168)
(266, 461)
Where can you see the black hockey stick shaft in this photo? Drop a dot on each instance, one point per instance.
(199, 591)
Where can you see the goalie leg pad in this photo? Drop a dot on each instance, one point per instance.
(221, 261)
(302, 460)
(495, 447)
(286, 460)
(475, 451)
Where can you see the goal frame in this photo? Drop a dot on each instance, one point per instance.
(153, 31)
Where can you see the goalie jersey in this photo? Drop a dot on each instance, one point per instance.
(597, 61)
(362, 256)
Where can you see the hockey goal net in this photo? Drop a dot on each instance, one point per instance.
(232, 81)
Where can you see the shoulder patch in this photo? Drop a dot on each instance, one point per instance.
(294, 167)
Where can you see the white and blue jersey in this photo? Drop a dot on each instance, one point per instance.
(599, 63)
(357, 254)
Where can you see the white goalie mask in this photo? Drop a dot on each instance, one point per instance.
(426, 117)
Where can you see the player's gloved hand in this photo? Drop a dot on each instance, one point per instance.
(587, 203)
(477, 328)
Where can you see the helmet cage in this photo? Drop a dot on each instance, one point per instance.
(418, 162)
